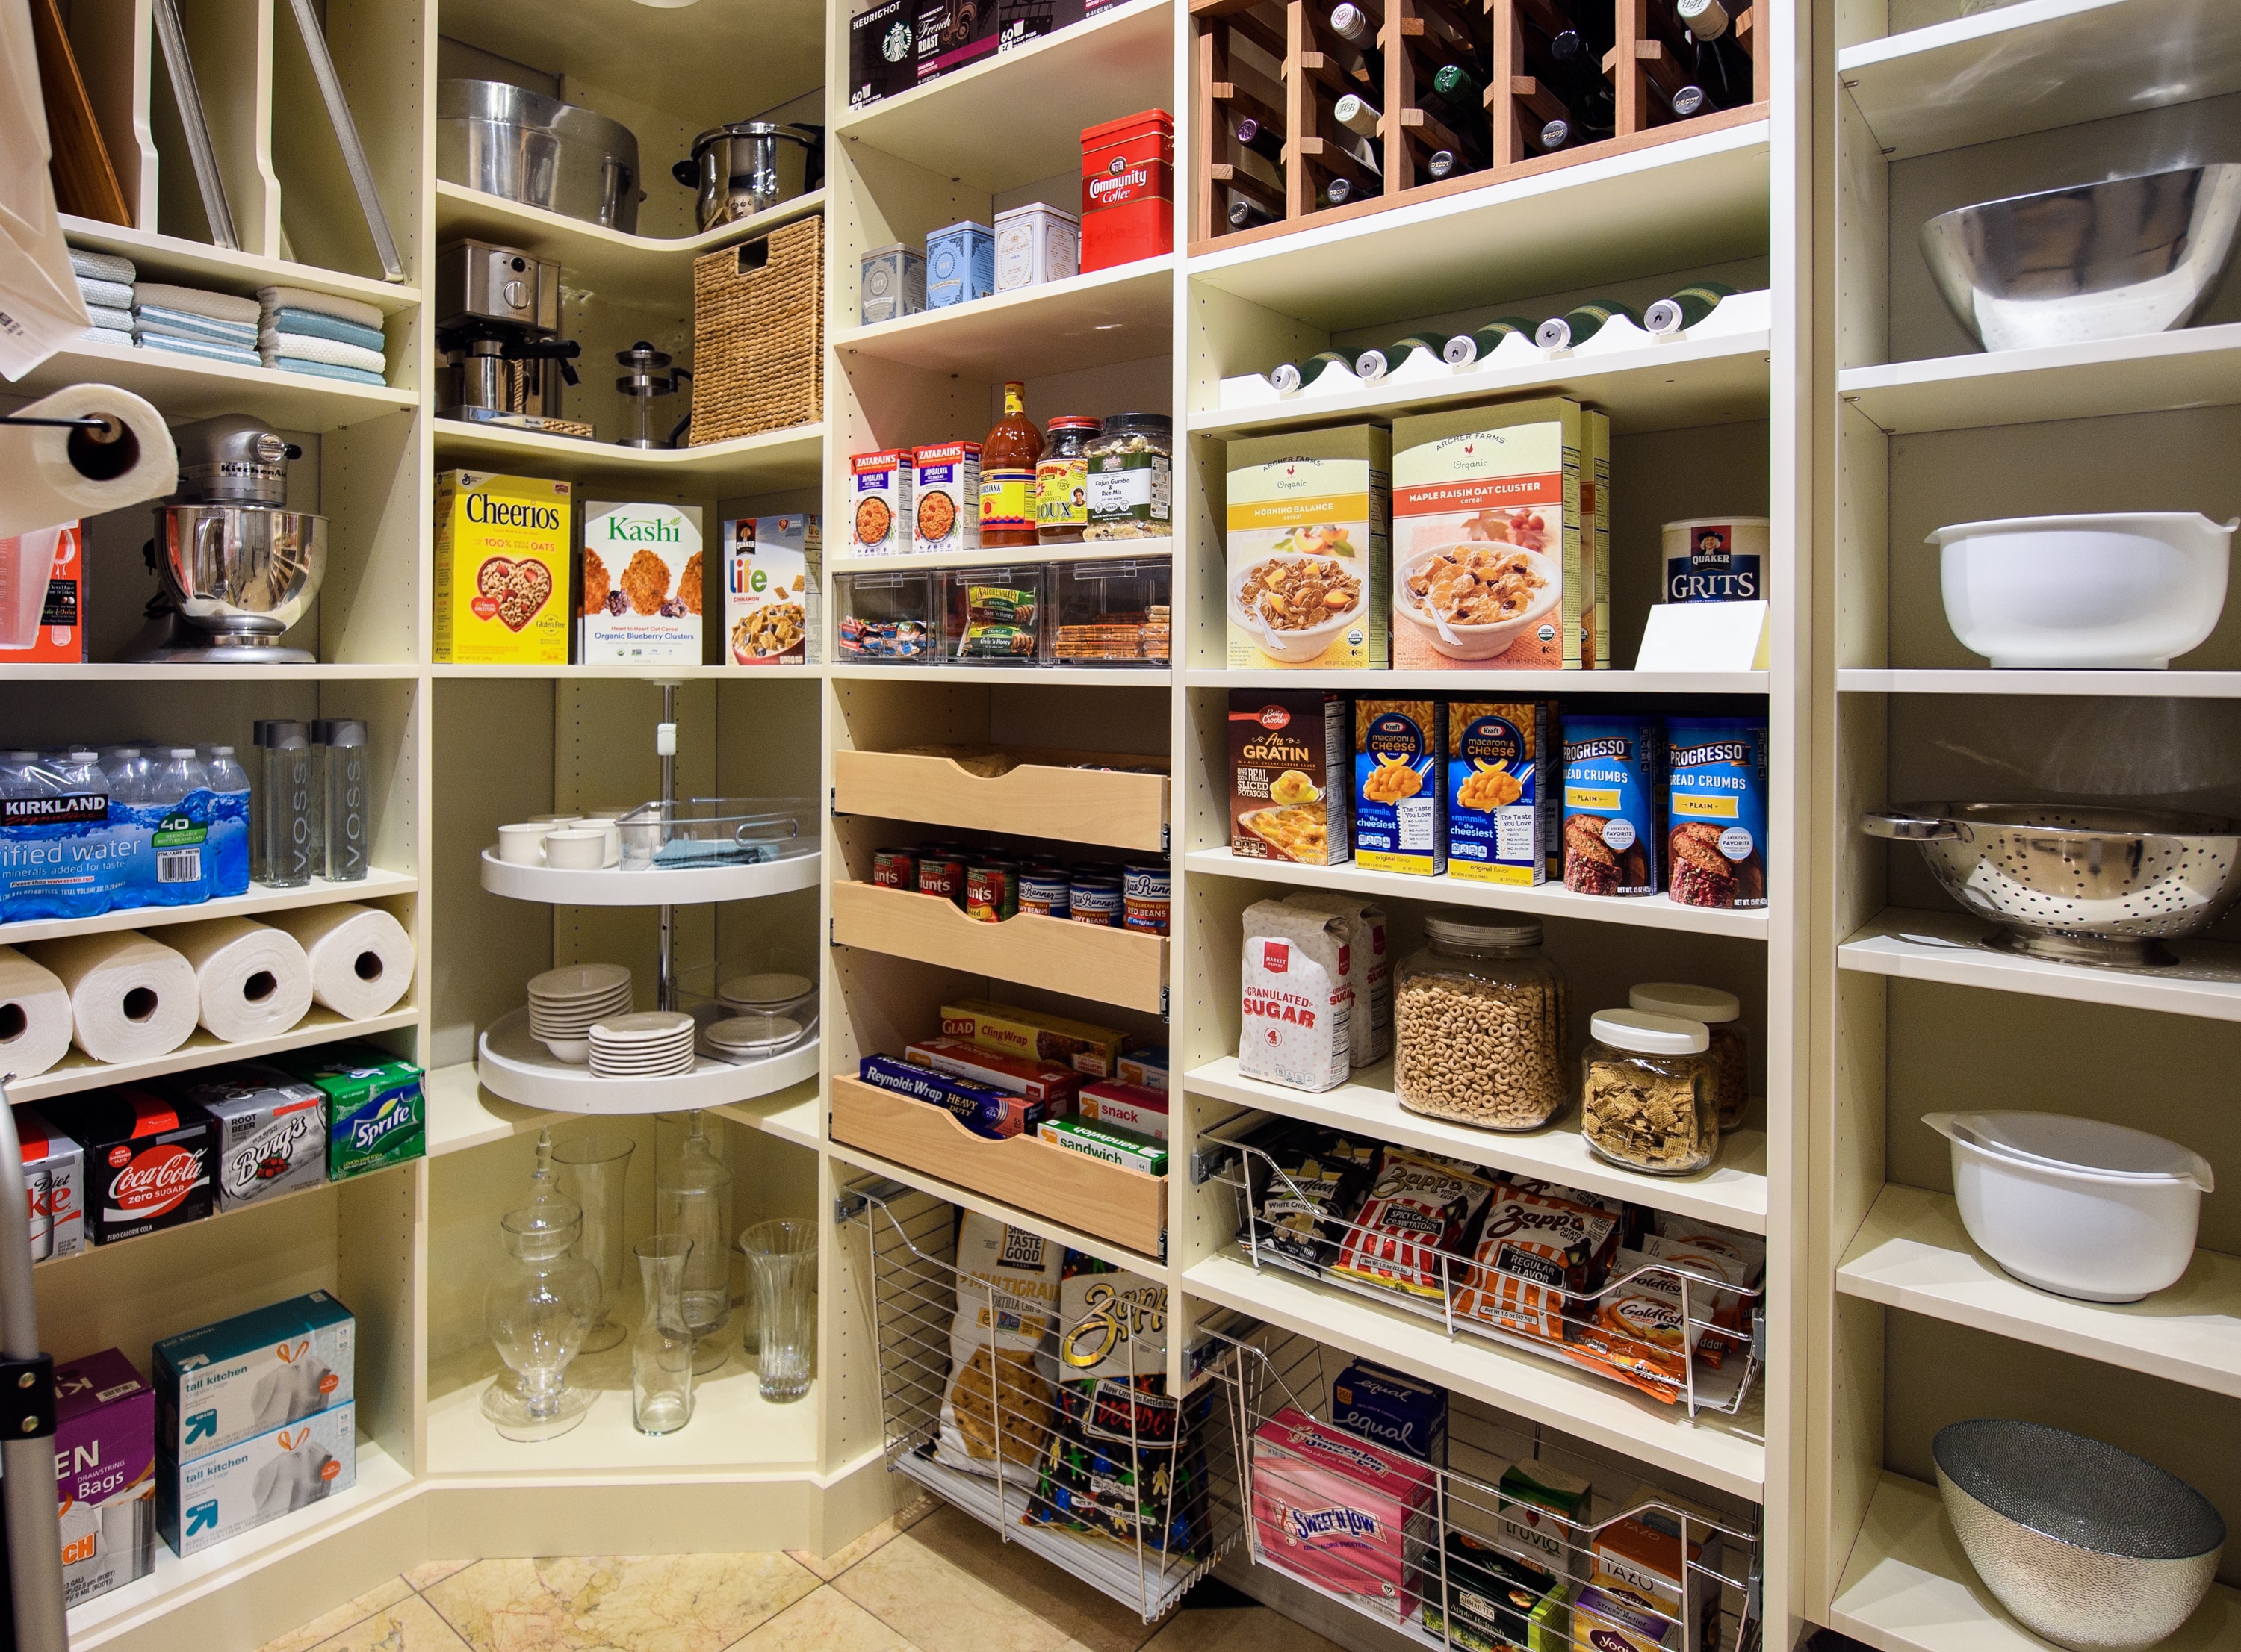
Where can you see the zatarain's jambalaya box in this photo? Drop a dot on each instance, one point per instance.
(502, 553)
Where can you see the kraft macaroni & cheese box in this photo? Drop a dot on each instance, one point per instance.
(1400, 794)
(1501, 795)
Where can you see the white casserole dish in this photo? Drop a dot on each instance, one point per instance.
(2075, 1206)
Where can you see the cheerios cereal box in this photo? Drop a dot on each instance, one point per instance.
(642, 581)
(772, 603)
(501, 570)
(1309, 525)
(1486, 570)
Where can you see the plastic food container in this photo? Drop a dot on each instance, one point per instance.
(1478, 1024)
(886, 618)
(1645, 1093)
(2074, 1205)
(1130, 490)
(997, 615)
(1114, 613)
(1722, 1013)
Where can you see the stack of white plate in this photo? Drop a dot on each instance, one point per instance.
(751, 1038)
(564, 1002)
(655, 1045)
(775, 993)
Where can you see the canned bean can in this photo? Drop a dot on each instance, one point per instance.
(1094, 899)
(895, 868)
(942, 873)
(1044, 890)
(992, 893)
(1144, 898)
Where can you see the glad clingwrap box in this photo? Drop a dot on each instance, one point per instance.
(276, 1473)
(104, 1472)
(502, 544)
(232, 1381)
(1309, 546)
(642, 585)
(1339, 1512)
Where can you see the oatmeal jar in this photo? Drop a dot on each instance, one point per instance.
(1645, 1093)
(1129, 490)
(1721, 1015)
(1478, 1024)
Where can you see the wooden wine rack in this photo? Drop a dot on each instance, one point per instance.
(1277, 62)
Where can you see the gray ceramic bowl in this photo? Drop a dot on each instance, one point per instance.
(2088, 1546)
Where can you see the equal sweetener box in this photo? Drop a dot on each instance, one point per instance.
(244, 1376)
(262, 1478)
(1340, 1513)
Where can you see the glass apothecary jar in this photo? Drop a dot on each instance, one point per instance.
(1130, 487)
(1721, 1015)
(1645, 1093)
(1112, 613)
(1479, 1019)
(885, 616)
(998, 615)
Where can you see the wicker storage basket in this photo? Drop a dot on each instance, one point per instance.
(758, 334)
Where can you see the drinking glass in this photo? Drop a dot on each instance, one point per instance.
(782, 1255)
(593, 1169)
(661, 1358)
(693, 1198)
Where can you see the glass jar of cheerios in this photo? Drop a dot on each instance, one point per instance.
(1130, 491)
(1479, 1021)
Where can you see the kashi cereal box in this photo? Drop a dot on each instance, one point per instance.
(502, 545)
(1309, 544)
(772, 604)
(1487, 570)
(642, 585)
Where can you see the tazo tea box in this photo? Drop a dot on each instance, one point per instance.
(1399, 804)
(946, 481)
(501, 570)
(1289, 780)
(1309, 544)
(642, 585)
(1501, 799)
(104, 1474)
(880, 519)
(1486, 529)
(773, 567)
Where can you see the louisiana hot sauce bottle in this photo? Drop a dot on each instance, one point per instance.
(1008, 473)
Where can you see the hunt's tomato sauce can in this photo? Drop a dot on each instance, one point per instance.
(941, 871)
(1128, 190)
(895, 868)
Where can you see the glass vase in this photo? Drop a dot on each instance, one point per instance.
(593, 1169)
(537, 1308)
(693, 1198)
(661, 1357)
(782, 1256)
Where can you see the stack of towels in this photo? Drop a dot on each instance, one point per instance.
(104, 281)
(299, 332)
(216, 326)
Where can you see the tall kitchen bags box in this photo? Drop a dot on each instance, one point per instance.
(1487, 569)
(642, 578)
(1309, 520)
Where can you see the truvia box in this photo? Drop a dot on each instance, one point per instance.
(230, 1381)
(961, 263)
(643, 583)
(1310, 518)
(1036, 244)
(890, 284)
(375, 1114)
(774, 567)
(272, 1474)
(945, 511)
(882, 489)
(104, 1472)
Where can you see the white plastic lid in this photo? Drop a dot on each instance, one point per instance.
(187, 751)
(1468, 929)
(1705, 1004)
(2090, 1145)
(1649, 1035)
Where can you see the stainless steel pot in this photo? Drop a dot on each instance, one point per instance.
(2082, 885)
(521, 146)
(744, 168)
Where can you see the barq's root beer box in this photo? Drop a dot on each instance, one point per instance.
(501, 570)
(1487, 570)
(1309, 548)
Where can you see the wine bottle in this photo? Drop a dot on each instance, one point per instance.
(1467, 347)
(1298, 375)
(1352, 25)
(1248, 215)
(1356, 114)
(1445, 163)
(1706, 19)
(1339, 191)
(1685, 308)
(1260, 139)
(1570, 331)
(1398, 352)
(1710, 60)
(1554, 135)
(1459, 90)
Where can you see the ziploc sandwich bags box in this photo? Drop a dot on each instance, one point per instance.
(242, 1377)
(104, 1472)
(238, 1488)
(376, 1113)
(1340, 1513)
(1309, 546)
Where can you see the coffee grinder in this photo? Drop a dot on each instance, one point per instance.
(498, 326)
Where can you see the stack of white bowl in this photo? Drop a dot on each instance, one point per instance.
(751, 1037)
(564, 1004)
(774, 993)
(655, 1045)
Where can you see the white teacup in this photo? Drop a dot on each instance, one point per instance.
(552, 822)
(578, 848)
(523, 844)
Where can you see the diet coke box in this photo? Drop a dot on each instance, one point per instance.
(54, 1186)
(271, 1129)
(147, 1163)
(104, 1474)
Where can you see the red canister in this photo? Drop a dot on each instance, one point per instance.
(1128, 190)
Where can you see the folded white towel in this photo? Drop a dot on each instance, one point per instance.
(302, 346)
(279, 298)
(218, 306)
(114, 294)
(103, 266)
(108, 336)
(195, 347)
(108, 315)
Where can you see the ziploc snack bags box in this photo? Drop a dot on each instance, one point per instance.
(376, 1112)
(261, 1478)
(1486, 538)
(235, 1379)
(1309, 544)
(502, 545)
(1501, 790)
(1400, 798)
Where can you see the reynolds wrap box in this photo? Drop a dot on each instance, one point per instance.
(642, 585)
(104, 1472)
(54, 1186)
(1340, 1513)
(243, 1485)
(1309, 550)
(501, 570)
(271, 1129)
(375, 1114)
(773, 602)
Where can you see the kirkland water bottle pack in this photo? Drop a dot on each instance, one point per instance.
(85, 832)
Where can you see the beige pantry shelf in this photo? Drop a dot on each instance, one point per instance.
(2145, 684)
(217, 1215)
(463, 1114)
(1542, 901)
(1944, 947)
(761, 464)
(515, 1066)
(377, 885)
(1017, 118)
(1522, 684)
(1732, 1192)
(1003, 556)
(1912, 1252)
(1120, 966)
(1125, 313)
(635, 673)
(2037, 64)
(1715, 1450)
(1908, 1587)
(188, 387)
(1033, 676)
(78, 1071)
(1122, 1206)
(651, 886)
(1048, 795)
(179, 672)
(197, 263)
(2191, 367)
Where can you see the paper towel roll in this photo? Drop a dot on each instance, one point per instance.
(60, 475)
(254, 979)
(35, 1016)
(131, 999)
(361, 957)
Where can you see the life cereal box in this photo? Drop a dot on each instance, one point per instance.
(501, 570)
(1310, 521)
(642, 585)
(773, 565)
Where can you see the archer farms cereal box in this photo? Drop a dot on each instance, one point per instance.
(1309, 518)
(1486, 530)
(642, 582)
(773, 567)
(501, 570)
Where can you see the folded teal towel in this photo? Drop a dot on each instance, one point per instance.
(116, 295)
(103, 266)
(328, 370)
(196, 347)
(180, 323)
(334, 327)
(696, 852)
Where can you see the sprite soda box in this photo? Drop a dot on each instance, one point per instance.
(375, 1115)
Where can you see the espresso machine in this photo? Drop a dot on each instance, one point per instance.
(498, 325)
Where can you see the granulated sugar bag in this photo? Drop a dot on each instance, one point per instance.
(1369, 973)
(1297, 1002)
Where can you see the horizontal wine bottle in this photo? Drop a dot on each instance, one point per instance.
(1248, 215)
(1298, 375)
(1356, 114)
(1467, 347)
(1706, 19)
(1260, 140)
(1685, 308)
(1570, 331)
(1365, 62)
(1459, 90)
(1339, 191)
(1407, 345)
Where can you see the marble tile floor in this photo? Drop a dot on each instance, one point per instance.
(933, 1579)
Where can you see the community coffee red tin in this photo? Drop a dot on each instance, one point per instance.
(148, 1163)
(1128, 190)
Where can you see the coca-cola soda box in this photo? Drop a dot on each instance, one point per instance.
(261, 1478)
(271, 1129)
(54, 1186)
(104, 1472)
(147, 1163)
(245, 1376)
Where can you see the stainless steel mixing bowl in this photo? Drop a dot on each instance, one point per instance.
(244, 573)
(2107, 260)
(2081, 884)
(2089, 1545)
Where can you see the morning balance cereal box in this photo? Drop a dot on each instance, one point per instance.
(502, 555)
(1309, 540)
(642, 584)
(1487, 568)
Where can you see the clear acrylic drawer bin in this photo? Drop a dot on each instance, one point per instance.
(884, 617)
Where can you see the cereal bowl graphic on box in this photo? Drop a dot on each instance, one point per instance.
(642, 585)
(1308, 546)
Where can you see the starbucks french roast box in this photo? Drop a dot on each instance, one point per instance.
(641, 585)
(1487, 555)
(1309, 540)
